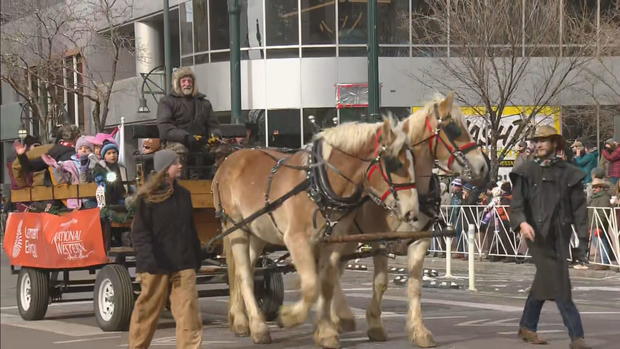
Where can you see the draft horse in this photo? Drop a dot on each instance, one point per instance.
(321, 185)
(435, 133)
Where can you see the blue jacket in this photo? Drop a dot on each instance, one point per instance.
(587, 163)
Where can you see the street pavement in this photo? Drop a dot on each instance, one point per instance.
(458, 318)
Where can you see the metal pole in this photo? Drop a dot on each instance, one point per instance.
(448, 257)
(167, 48)
(373, 62)
(470, 254)
(234, 10)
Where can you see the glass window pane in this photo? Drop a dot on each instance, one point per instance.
(283, 53)
(393, 51)
(393, 22)
(203, 58)
(352, 22)
(201, 26)
(282, 17)
(256, 126)
(323, 118)
(219, 24)
(186, 20)
(354, 114)
(318, 52)
(187, 61)
(284, 128)
(220, 56)
(427, 22)
(318, 19)
(352, 51)
(252, 31)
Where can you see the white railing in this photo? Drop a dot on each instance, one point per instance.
(495, 238)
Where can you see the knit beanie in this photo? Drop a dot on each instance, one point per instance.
(83, 142)
(108, 146)
(163, 159)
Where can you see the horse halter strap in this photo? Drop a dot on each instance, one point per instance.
(456, 153)
(377, 165)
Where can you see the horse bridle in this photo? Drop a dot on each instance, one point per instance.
(457, 153)
(392, 165)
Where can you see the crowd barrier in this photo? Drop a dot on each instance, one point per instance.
(495, 238)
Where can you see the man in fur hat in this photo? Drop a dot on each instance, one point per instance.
(548, 197)
(185, 117)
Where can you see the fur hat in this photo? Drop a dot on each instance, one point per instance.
(163, 159)
(107, 147)
(83, 141)
(178, 75)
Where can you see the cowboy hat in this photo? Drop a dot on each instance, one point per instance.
(547, 131)
(599, 182)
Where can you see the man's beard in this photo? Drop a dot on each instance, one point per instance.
(187, 91)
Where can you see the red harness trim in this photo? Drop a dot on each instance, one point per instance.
(376, 166)
(451, 159)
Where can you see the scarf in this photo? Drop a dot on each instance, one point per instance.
(547, 162)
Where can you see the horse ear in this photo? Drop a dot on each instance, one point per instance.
(387, 131)
(445, 106)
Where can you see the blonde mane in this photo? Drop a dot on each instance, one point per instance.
(349, 137)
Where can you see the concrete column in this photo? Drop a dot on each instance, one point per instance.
(149, 50)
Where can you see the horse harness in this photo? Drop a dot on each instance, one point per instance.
(329, 204)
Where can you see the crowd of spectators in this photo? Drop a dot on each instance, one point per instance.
(73, 158)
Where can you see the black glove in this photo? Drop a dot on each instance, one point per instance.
(195, 141)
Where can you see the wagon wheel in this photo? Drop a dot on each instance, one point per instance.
(113, 298)
(269, 290)
(32, 293)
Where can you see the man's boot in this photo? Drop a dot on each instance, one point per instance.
(579, 343)
(530, 336)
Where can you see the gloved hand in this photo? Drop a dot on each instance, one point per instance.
(195, 141)
(92, 160)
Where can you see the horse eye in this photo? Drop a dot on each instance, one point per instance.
(392, 164)
(452, 130)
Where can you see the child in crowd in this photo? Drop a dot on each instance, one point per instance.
(84, 158)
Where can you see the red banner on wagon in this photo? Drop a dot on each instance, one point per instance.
(43, 240)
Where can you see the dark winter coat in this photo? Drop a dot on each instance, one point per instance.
(181, 116)
(600, 199)
(164, 234)
(550, 199)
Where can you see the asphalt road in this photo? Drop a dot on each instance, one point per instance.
(458, 318)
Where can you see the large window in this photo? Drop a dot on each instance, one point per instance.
(321, 118)
(393, 28)
(201, 25)
(282, 22)
(284, 128)
(186, 21)
(219, 24)
(352, 22)
(318, 22)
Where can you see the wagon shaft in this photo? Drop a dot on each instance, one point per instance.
(392, 235)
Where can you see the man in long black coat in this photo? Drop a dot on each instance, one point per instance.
(547, 198)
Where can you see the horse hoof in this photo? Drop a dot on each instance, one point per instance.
(377, 334)
(424, 340)
(261, 338)
(327, 341)
(288, 318)
(240, 330)
(346, 325)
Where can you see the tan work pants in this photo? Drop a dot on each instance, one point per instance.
(184, 304)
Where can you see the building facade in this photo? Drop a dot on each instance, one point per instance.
(294, 56)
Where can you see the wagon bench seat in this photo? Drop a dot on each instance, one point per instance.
(200, 189)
